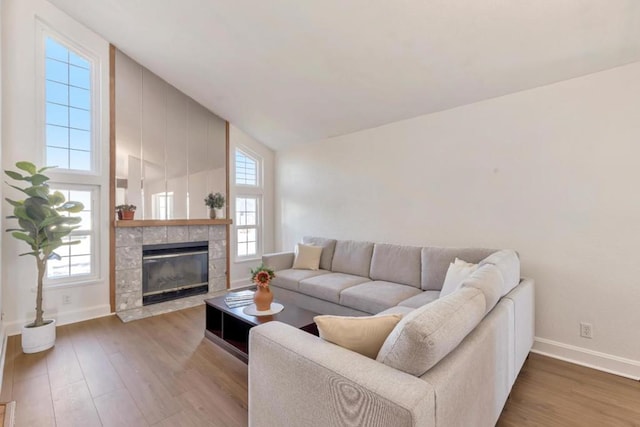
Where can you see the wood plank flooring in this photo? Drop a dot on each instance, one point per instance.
(160, 371)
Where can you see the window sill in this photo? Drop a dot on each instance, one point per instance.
(76, 284)
(245, 260)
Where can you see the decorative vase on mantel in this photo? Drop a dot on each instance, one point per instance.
(263, 298)
(212, 213)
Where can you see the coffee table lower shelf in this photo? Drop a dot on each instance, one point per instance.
(229, 327)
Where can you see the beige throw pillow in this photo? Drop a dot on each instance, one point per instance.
(364, 335)
(458, 271)
(307, 257)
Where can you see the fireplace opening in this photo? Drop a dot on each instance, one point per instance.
(175, 270)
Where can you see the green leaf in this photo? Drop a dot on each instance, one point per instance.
(54, 256)
(15, 175)
(34, 209)
(14, 202)
(30, 253)
(41, 191)
(73, 207)
(27, 167)
(56, 198)
(22, 236)
(70, 220)
(39, 179)
(46, 168)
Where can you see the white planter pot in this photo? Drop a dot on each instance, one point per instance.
(220, 213)
(40, 338)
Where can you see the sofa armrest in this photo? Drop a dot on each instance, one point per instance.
(278, 261)
(296, 378)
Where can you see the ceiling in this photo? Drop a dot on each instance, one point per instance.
(291, 71)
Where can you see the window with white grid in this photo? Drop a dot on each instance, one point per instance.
(247, 205)
(68, 108)
(78, 261)
(246, 169)
(247, 226)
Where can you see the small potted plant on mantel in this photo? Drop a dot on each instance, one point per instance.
(126, 211)
(215, 202)
(44, 221)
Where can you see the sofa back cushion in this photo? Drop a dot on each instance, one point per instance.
(508, 262)
(435, 263)
(394, 263)
(352, 257)
(328, 248)
(488, 279)
(427, 334)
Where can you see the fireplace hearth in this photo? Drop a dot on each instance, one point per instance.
(174, 270)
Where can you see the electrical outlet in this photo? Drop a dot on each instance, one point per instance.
(586, 330)
(66, 299)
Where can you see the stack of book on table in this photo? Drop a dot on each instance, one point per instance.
(239, 299)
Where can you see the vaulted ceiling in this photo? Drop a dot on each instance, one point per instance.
(292, 71)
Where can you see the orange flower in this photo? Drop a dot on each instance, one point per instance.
(262, 279)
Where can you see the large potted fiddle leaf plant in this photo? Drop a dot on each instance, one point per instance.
(44, 221)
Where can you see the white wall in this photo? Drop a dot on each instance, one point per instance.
(240, 270)
(552, 172)
(21, 140)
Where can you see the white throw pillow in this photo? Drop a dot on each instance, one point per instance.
(307, 257)
(457, 272)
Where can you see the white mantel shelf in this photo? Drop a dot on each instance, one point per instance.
(169, 222)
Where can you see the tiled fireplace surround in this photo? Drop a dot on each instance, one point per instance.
(128, 265)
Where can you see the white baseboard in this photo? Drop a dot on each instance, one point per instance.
(627, 368)
(64, 318)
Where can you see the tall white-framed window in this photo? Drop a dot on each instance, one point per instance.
(78, 262)
(71, 76)
(71, 103)
(248, 205)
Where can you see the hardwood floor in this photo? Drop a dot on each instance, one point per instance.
(160, 371)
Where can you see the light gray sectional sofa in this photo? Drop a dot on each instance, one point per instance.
(450, 361)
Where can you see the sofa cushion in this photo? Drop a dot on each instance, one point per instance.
(421, 299)
(427, 334)
(352, 257)
(398, 309)
(289, 279)
(508, 263)
(373, 297)
(397, 264)
(456, 273)
(435, 263)
(328, 247)
(307, 257)
(488, 279)
(363, 335)
(329, 286)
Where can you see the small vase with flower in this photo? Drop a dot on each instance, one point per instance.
(263, 297)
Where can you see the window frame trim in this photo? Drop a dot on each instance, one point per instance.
(96, 275)
(257, 226)
(258, 159)
(42, 32)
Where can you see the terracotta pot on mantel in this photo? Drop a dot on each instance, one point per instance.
(127, 215)
(263, 298)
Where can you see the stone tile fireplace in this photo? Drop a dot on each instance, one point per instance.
(129, 243)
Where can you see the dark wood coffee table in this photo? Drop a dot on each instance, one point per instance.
(229, 327)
